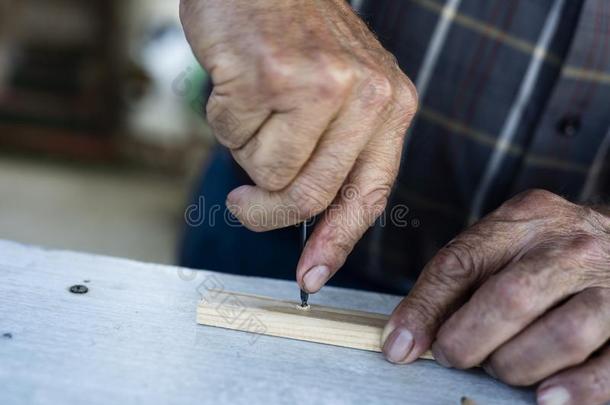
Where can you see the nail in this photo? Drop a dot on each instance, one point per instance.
(398, 345)
(315, 278)
(235, 195)
(440, 356)
(553, 395)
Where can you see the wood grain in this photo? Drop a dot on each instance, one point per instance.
(268, 316)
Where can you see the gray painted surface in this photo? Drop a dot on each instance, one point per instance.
(133, 339)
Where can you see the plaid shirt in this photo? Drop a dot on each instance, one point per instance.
(514, 95)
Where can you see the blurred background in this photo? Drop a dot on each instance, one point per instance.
(101, 127)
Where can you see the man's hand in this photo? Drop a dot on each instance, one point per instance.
(313, 108)
(526, 293)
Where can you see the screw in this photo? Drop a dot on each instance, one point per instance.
(79, 289)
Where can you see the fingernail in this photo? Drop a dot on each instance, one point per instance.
(398, 345)
(235, 195)
(553, 395)
(315, 278)
(440, 356)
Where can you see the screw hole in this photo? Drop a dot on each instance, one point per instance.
(79, 289)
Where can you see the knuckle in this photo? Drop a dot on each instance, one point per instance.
(225, 139)
(374, 200)
(586, 245)
(308, 199)
(572, 336)
(334, 77)
(503, 368)
(455, 351)
(246, 153)
(327, 75)
(597, 221)
(454, 262)
(377, 90)
(408, 98)
(595, 298)
(272, 177)
(540, 195)
(274, 182)
(277, 69)
(513, 292)
(383, 88)
(271, 165)
(421, 309)
(530, 202)
(387, 59)
(344, 240)
(505, 371)
(225, 125)
(365, 206)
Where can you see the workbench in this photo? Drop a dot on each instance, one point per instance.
(132, 338)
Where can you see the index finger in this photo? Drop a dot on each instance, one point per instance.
(447, 281)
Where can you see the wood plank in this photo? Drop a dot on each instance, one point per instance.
(132, 339)
(268, 316)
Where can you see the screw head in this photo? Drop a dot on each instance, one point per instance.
(79, 289)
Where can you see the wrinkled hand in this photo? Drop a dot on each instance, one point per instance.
(526, 293)
(313, 108)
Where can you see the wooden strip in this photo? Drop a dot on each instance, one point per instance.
(268, 316)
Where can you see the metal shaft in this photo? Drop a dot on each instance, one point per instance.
(304, 295)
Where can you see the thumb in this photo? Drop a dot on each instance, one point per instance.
(445, 283)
